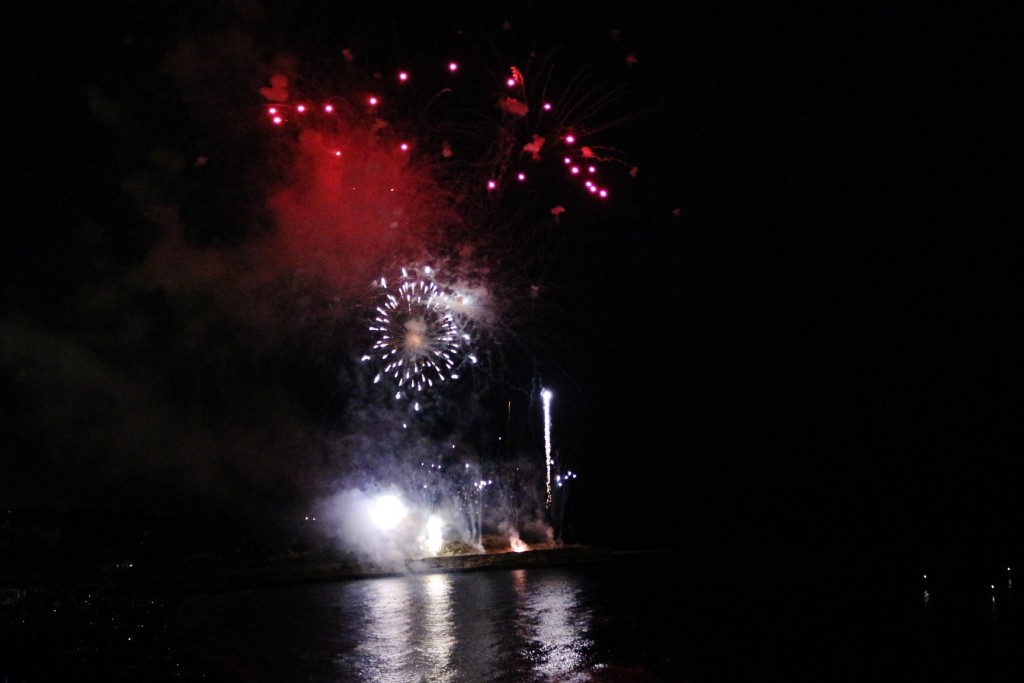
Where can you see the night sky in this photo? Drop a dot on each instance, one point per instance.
(800, 319)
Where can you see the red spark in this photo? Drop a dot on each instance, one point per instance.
(534, 147)
(511, 105)
(516, 78)
(278, 90)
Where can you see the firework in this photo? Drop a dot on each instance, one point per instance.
(386, 512)
(434, 537)
(419, 337)
(546, 395)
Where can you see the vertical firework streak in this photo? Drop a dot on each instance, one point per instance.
(545, 394)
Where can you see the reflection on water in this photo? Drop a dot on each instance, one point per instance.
(555, 628)
(641, 622)
(496, 626)
(440, 637)
(408, 629)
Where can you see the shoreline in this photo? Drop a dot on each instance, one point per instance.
(176, 577)
(324, 568)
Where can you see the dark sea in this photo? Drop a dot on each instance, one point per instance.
(809, 614)
(657, 618)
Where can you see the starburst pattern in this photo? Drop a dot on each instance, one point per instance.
(418, 336)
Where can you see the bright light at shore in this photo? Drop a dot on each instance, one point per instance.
(517, 544)
(435, 526)
(386, 512)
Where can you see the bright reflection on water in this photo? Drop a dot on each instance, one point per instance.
(524, 625)
(447, 627)
(552, 624)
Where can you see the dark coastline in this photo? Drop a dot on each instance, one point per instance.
(314, 567)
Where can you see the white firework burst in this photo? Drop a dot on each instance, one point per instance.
(419, 336)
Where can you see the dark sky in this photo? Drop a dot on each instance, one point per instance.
(803, 313)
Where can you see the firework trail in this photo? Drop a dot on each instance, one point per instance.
(546, 395)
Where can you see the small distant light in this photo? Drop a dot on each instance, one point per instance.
(453, 67)
(404, 146)
(570, 139)
(591, 169)
(491, 185)
(301, 108)
(546, 106)
(591, 188)
(575, 170)
(373, 101)
(521, 176)
(511, 82)
(603, 194)
(337, 153)
(272, 111)
(277, 120)
(566, 160)
(328, 108)
(403, 76)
